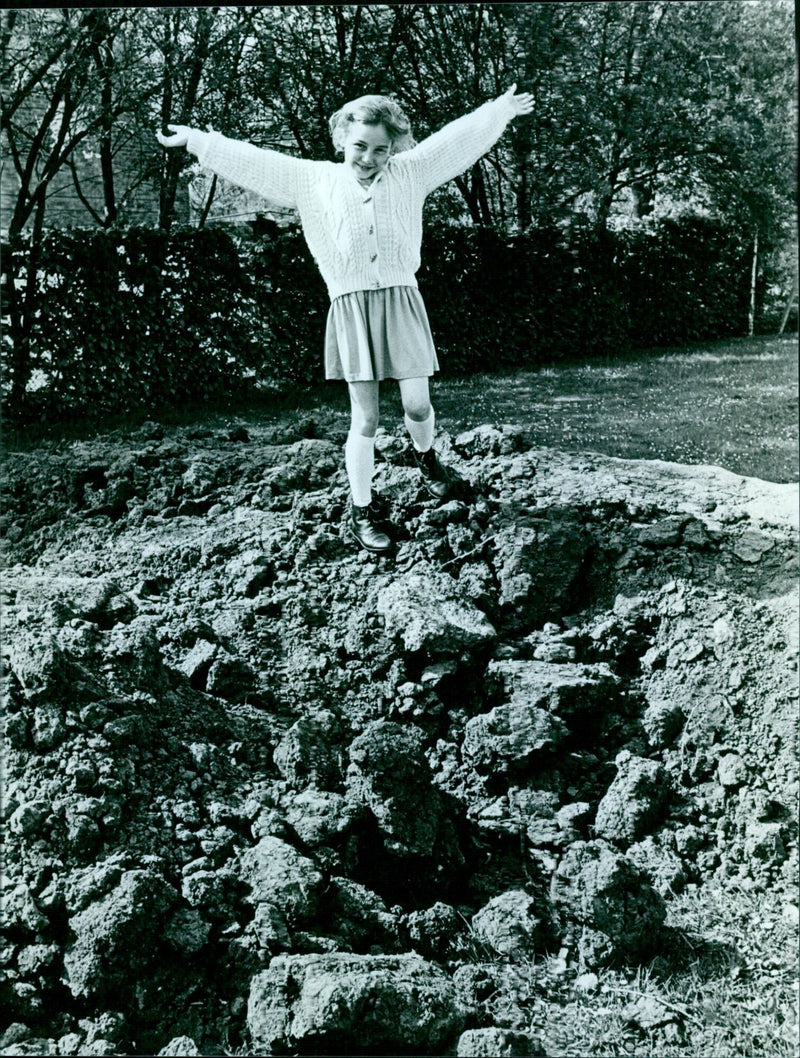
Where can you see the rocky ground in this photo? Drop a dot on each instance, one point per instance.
(266, 794)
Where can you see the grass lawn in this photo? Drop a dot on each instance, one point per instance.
(732, 404)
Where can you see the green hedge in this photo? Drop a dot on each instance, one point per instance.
(685, 281)
(125, 319)
(497, 301)
(121, 321)
(292, 303)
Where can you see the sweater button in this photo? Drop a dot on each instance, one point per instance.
(366, 200)
(374, 257)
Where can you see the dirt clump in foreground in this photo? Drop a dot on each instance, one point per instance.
(266, 793)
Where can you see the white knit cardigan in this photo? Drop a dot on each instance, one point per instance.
(361, 239)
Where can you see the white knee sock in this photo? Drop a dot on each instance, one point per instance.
(421, 432)
(359, 459)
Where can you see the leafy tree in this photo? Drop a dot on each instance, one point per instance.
(648, 96)
(457, 58)
(50, 82)
(184, 40)
(49, 79)
(635, 97)
(750, 158)
(308, 60)
(124, 88)
(638, 101)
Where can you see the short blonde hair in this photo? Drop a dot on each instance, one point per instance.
(373, 110)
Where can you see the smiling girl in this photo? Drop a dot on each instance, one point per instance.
(362, 221)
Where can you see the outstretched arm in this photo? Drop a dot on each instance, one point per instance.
(276, 176)
(454, 148)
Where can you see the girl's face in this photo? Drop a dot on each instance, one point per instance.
(366, 149)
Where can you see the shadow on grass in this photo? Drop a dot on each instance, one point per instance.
(272, 407)
(731, 404)
(684, 953)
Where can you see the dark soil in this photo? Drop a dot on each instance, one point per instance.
(509, 758)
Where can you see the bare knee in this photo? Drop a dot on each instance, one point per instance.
(363, 422)
(418, 412)
(364, 408)
(416, 399)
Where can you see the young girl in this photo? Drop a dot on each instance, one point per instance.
(362, 220)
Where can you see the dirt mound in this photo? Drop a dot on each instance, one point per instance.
(241, 751)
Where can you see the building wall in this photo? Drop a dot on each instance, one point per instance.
(137, 205)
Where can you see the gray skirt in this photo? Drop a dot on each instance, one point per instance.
(375, 334)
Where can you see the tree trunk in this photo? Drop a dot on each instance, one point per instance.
(200, 53)
(209, 199)
(21, 306)
(169, 179)
(523, 198)
(751, 315)
(106, 147)
(468, 192)
(789, 303)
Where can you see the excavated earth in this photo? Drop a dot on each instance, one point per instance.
(266, 794)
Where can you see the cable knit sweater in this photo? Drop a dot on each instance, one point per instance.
(361, 239)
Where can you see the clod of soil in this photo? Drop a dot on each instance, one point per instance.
(259, 783)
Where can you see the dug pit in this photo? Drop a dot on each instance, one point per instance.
(258, 782)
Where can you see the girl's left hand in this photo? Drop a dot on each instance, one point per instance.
(522, 103)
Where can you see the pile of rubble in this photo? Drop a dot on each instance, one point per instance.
(266, 791)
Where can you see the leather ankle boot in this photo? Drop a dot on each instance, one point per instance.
(437, 478)
(364, 528)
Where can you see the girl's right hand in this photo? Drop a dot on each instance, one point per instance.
(179, 137)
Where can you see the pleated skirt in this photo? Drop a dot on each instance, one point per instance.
(375, 334)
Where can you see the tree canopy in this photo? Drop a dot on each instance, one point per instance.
(642, 102)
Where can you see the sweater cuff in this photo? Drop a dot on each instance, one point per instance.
(198, 143)
(505, 107)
